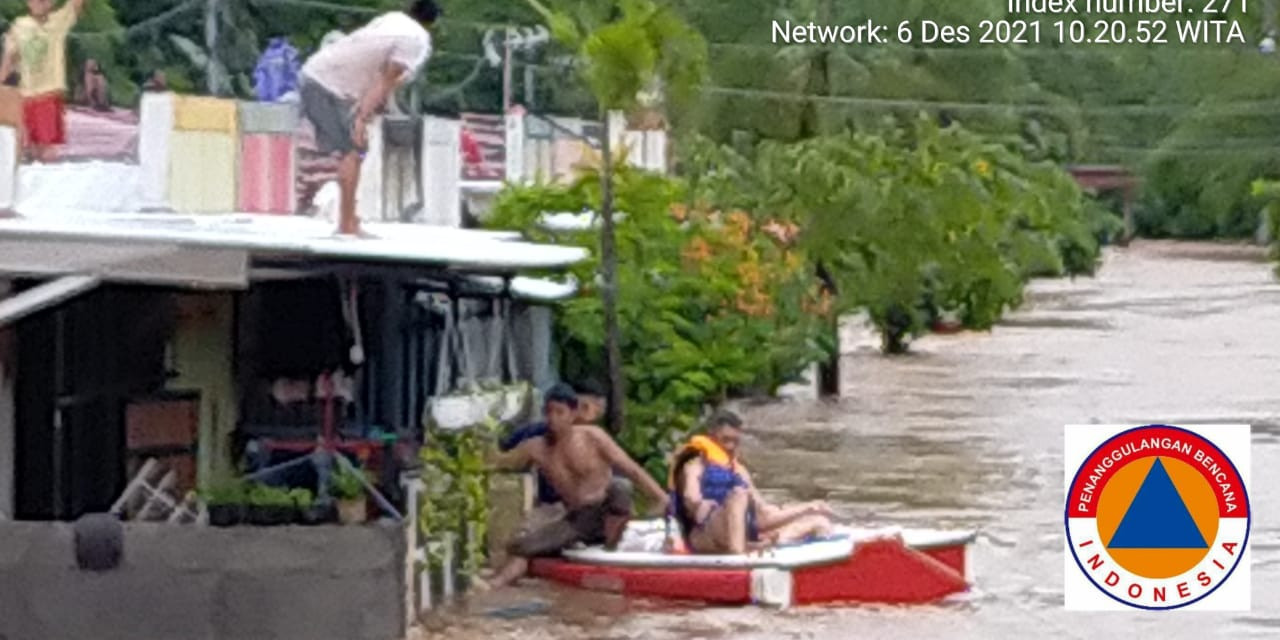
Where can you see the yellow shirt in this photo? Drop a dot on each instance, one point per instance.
(42, 50)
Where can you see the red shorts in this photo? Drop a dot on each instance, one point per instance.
(44, 118)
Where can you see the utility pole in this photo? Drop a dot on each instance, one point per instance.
(506, 70)
(211, 45)
(514, 39)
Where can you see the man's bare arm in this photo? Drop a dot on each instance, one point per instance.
(619, 460)
(691, 491)
(517, 459)
(377, 94)
(78, 7)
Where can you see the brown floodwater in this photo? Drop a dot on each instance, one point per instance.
(966, 432)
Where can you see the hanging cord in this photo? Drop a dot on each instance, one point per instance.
(351, 314)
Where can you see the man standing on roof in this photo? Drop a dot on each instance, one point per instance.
(36, 46)
(350, 80)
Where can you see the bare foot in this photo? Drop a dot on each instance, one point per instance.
(360, 234)
(479, 585)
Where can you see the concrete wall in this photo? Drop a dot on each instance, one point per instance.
(202, 583)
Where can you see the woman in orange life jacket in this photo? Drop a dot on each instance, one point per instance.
(717, 506)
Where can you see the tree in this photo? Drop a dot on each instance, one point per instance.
(624, 48)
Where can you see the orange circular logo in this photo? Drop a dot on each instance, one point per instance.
(1157, 517)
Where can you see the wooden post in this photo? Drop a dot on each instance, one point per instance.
(609, 267)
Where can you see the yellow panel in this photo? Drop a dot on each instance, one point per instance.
(202, 172)
(199, 113)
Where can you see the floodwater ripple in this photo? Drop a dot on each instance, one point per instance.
(967, 432)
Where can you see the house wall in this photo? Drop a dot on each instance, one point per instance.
(201, 353)
(308, 583)
(8, 365)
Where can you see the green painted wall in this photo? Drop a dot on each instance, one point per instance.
(202, 355)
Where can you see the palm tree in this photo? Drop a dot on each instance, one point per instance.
(625, 48)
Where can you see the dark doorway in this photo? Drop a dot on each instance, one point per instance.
(78, 365)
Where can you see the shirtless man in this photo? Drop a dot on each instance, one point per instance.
(547, 505)
(720, 509)
(578, 461)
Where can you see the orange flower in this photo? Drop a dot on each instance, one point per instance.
(698, 250)
(679, 211)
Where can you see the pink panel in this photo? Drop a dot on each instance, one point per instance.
(267, 173)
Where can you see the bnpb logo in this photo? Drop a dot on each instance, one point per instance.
(1157, 517)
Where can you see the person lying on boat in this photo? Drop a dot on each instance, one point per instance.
(717, 506)
(579, 461)
(547, 504)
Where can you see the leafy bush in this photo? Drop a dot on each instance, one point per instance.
(261, 495)
(711, 302)
(230, 492)
(346, 484)
(457, 492)
(913, 220)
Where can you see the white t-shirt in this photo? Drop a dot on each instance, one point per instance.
(351, 65)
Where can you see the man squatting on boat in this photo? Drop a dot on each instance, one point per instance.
(578, 461)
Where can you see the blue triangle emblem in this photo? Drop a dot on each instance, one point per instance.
(1157, 518)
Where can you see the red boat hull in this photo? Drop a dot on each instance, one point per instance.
(878, 571)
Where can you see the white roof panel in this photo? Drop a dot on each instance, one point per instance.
(301, 237)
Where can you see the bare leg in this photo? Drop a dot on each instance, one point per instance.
(801, 528)
(348, 180)
(513, 570)
(548, 539)
(726, 529)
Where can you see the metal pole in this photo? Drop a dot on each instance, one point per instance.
(211, 45)
(528, 85)
(506, 72)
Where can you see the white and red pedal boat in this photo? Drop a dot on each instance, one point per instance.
(896, 566)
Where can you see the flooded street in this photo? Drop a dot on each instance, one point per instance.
(966, 432)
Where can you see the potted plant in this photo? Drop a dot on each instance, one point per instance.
(225, 503)
(348, 489)
(308, 511)
(270, 506)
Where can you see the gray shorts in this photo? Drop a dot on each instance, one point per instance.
(332, 117)
(585, 525)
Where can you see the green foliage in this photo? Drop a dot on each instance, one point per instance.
(1268, 193)
(624, 47)
(913, 220)
(261, 495)
(710, 304)
(302, 498)
(229, 492)
(98, 35)
(457, 492)
(346, 484)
